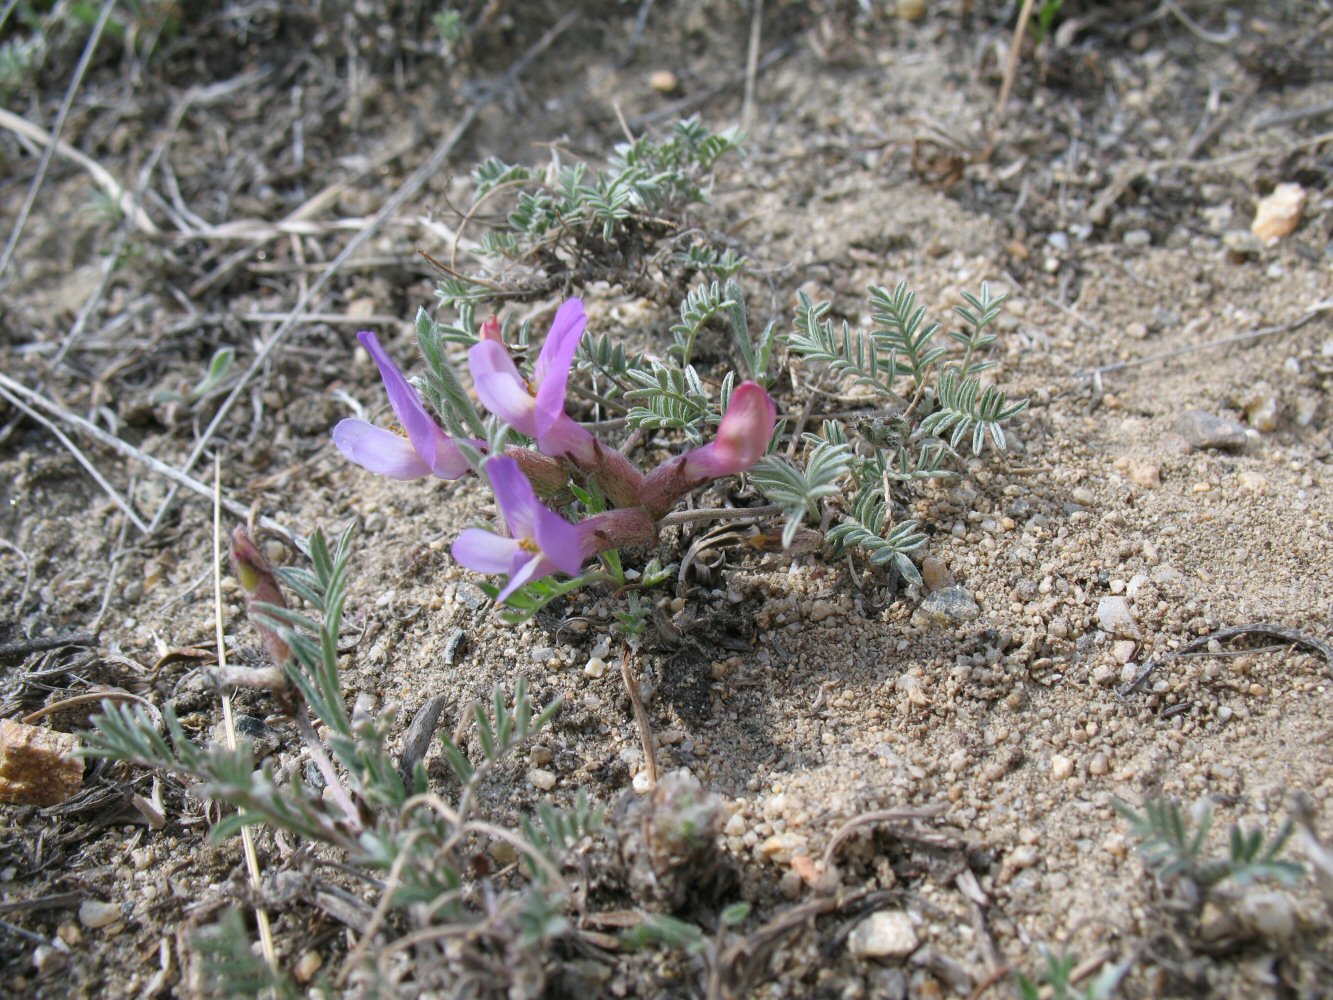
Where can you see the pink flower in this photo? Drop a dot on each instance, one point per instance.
(537, 407)
(426, 451)
(540, 541)
(742, 438)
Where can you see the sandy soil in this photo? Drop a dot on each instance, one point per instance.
(1111, 203)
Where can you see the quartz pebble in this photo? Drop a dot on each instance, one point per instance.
(93, 913)
(883, 934)
(1241, 243)
(1145, 474)
(1062, 768)
(541, 779)
(1099, 765)
(1115, 617)
(1269, 913)
(1278, 213)
(1261, 407)
(1253, 482)
(306, 966)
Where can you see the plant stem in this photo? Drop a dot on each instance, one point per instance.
(326, 768)
(719, 514)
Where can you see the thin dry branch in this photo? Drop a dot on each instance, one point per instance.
(73, 420)
(79, 457)
(53, 146)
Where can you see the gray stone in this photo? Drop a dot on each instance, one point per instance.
(1204, 430)
(471, 596)
(453, 645)
(949, 606)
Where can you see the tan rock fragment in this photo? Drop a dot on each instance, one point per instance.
(38, 766)
(1278, 214)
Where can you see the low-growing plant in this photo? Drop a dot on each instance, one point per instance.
(1055, 980)
(565, 492)
(1174, 846)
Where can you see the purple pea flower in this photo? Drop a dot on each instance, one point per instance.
(426, 451)
(540, 541)
(537, 407)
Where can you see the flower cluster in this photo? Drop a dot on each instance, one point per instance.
(536, 541)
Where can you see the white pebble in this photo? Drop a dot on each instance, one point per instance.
(94, 913)
(883, 934)
(541, 779)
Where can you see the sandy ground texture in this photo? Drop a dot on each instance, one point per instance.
(1170, 481)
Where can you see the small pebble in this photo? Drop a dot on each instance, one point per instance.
(1278, 214)
(93, 913)
(1261, 407)
(1023, 857)
(306, 966)
(1269, 913)
(1115, 617)
(883, 934)
(1062, 767)
(935, 574)
(1123, 650)
(1242, 244)
(453, 645)
(1099, 765)
(664, 81)
(1145, 474)
(1205, 431)
(595, 667)
(541, 779)
(949, 606)
(48, 960)
(820, 610)
(1253, 482)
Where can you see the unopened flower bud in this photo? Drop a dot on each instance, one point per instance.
(260, 584)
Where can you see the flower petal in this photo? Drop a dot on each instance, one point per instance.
(564, 438)
(534, 569)
(500, 387)
(422, 430)
(449, 461)
(742, 437)
(484, 551)
(561, 341)
(551, 373)
(560, 542)
(518, 503)
(378, 450)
